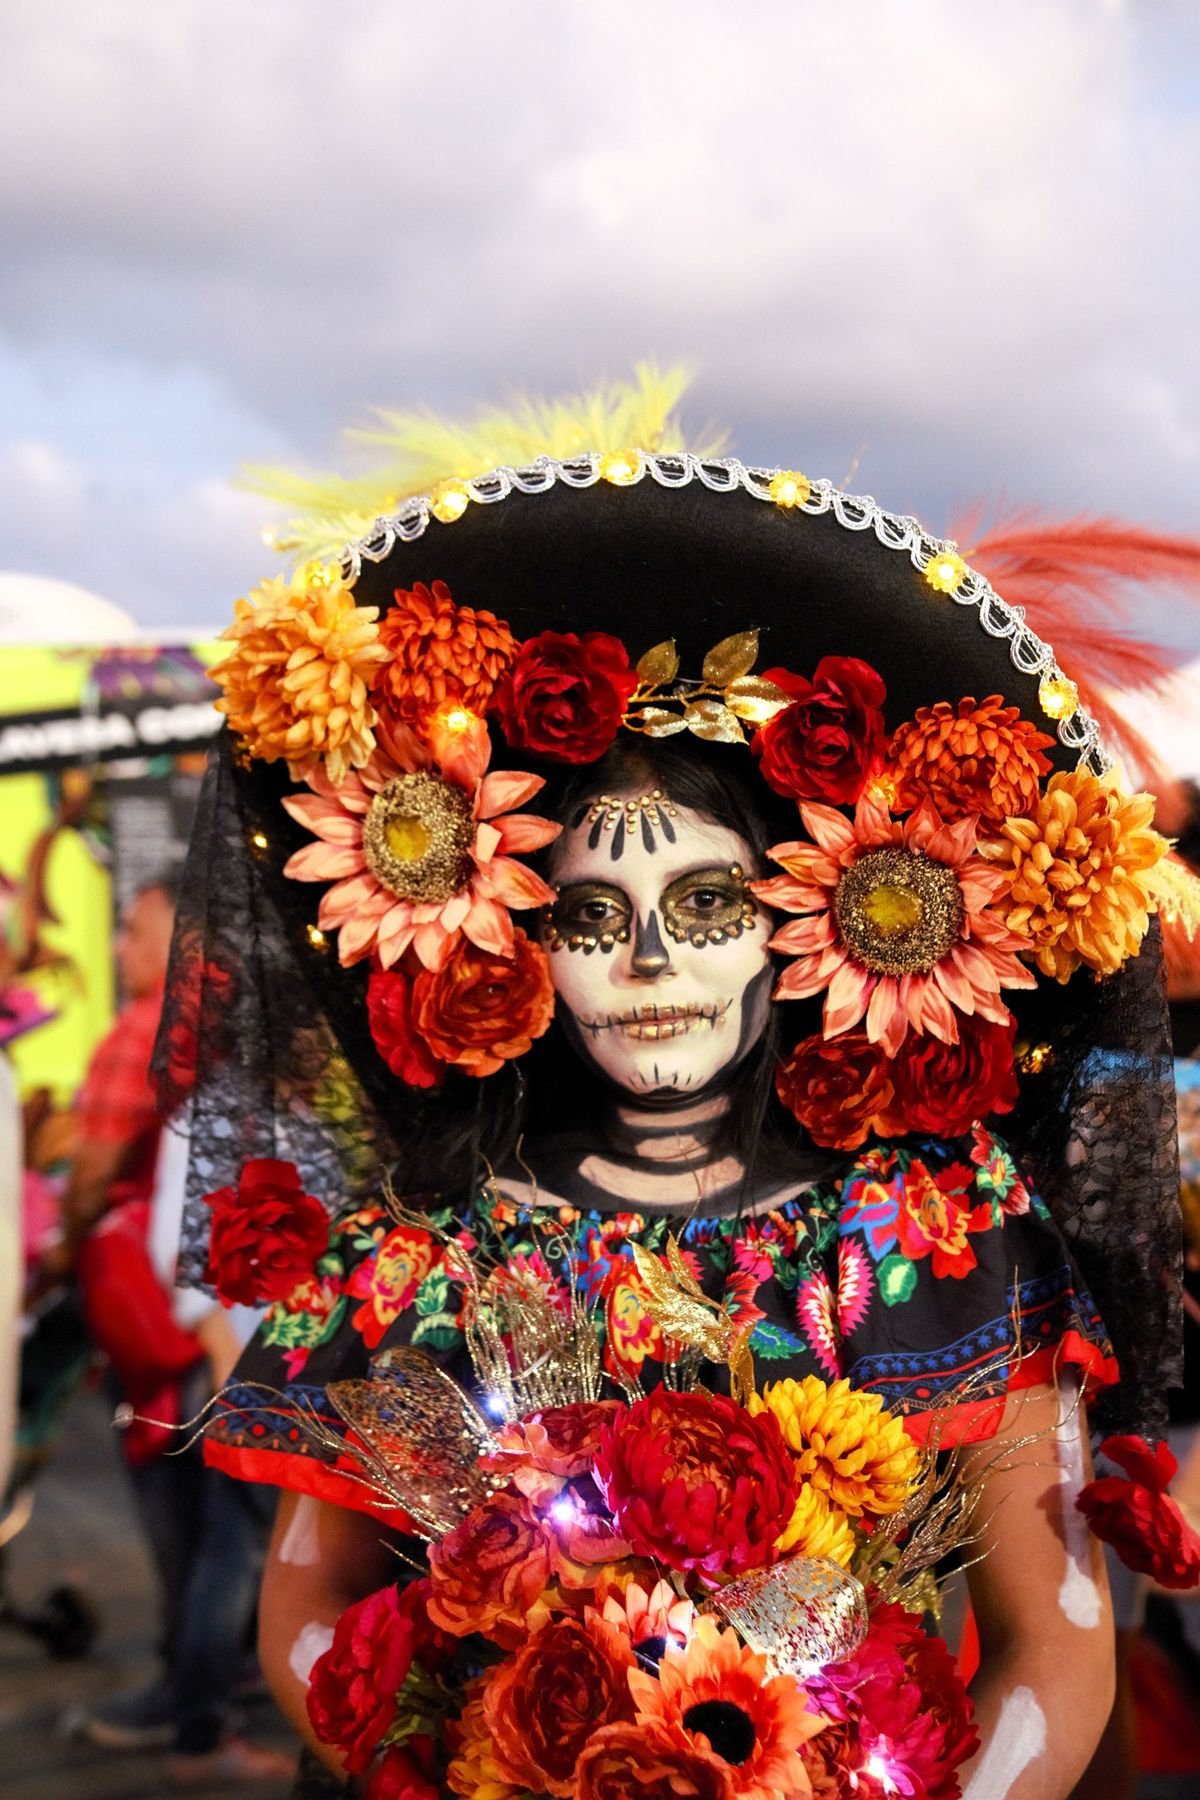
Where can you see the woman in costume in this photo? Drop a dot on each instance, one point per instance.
(656, 845)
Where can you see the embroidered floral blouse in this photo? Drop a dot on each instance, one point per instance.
(925, 1265)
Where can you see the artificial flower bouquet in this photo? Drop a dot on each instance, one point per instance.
(674, 1594)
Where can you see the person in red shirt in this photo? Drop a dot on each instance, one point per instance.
(117, 1118)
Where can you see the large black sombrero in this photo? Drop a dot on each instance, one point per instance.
(695, 550)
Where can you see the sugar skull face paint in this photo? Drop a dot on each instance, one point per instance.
(658, 949)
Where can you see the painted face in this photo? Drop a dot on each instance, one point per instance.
(658, 950)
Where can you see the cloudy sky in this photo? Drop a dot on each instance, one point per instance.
(949, 247)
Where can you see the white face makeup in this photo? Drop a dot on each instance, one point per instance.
(657, 950)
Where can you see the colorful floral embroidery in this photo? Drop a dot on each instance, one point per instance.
(388, 1282)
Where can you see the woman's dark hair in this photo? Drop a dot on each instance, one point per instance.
(474, 1126)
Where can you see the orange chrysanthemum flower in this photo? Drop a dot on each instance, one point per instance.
(899, 923)
(299, 677)
(719, 1693)
(441, 654)
(474, 1770)
(844, 1443)
(983, 759)
(1076, 886)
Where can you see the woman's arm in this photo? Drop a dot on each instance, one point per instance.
(322, 1558)
(1040, 1595)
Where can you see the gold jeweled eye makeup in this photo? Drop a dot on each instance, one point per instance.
(703, 906)
(707, 906)
(588, 915)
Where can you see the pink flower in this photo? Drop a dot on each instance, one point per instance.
(896, 923)
(420, 847)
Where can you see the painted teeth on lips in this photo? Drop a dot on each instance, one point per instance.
(653, 1023)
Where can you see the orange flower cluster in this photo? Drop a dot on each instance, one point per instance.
(1077, 869)
(298, 680)
(441, 654)
(983, 759)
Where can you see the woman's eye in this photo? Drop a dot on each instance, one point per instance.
(706, 900)
(595, 912)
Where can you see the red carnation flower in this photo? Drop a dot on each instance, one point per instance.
(266, 1234)
(903, 1701)
(389, 1014)
(1138, 1517)
(565, 696)
(544, 1705)
(945, 1088)
(825, 744)
(406, 1774)
(694, 1481)
(354, 1689)
(479, 1010)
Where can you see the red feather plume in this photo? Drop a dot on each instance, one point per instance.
(1080, 581)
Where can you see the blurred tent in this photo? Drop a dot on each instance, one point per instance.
(103, 732)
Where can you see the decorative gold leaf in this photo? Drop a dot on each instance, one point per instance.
(714, 721)
(660, 664)
(755, 699)
(656, 721)
(732, 657)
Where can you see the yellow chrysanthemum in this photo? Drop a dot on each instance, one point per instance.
(818, 1528)
(474, 1772)
(845, 1444)
(1079, 874)
(297, 682)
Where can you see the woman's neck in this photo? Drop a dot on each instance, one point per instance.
(658, 1158)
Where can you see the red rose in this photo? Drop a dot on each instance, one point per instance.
(565, 695)
(696, 1482)
(389, 1014)
(266, 1234)
(544, 1705)
(824, 745)
(1138, 1517)
(354, 1688)
(944, 1088)
(491, 1572)
(479, 1010)
(836, 1087)
(647, 1761)
(406, 1774)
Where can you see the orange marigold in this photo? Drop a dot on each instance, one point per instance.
(1077, 874)
(474, 1770)
(298, 679)
(983, 759)
(441, 653)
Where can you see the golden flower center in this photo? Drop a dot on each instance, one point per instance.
(417, 838)
(898, 911)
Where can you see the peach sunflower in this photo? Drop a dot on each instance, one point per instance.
(899, 923)
(298, 680)
(719, 1693)
(419, 848)
(1075, 873)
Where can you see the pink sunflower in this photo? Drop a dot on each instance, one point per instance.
(898, 923)
(418, 846)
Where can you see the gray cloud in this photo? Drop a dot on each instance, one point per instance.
(952, 242)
